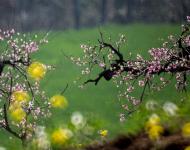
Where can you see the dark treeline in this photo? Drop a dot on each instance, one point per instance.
(29, 15)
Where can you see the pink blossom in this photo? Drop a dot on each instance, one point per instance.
(187, 40)
(188, 18)
(102, 65)
(154, 67)
(159, 53)
(136, 102)
(1, 37)
(31, 47)
(141, 83)
(130, 89)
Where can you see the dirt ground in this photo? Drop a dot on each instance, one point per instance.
(142, 142)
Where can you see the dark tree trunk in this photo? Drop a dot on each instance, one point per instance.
(130, 6)
(103, 11)
(76, 4)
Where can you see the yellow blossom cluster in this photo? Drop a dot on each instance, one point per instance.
(17, 114)
(103, 133)
(187, 148)
(153, 127)
(60, 136)
(186, 130)
(16, 111)
(58, 101)
(20, 96)
(36, 70)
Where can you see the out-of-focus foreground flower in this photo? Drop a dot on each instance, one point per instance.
(153, 127)
(41, 141)
(151, 105)
(170, 108)
(2, 148)
(20, 96)
(61, 136)
(103, 133)
(154, 119)
(78, 120)
(36, 70)
(17, 114)
(187, 148)
(155, 132)
(58, 101)
(186, 130)
(16, 110)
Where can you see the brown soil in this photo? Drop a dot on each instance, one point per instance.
(142, 142)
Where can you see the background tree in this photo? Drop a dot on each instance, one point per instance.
(169, 61)
(76, 4)
(103, 11)
(22, 103)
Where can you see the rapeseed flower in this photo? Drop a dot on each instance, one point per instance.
(186, 130)
(17, 114)
(103, 133)
(36, 70)
(61, 136)
(155, 132)
(20, 96)
(153, 120)
(58, 101)
(187, 148)
(153, 127)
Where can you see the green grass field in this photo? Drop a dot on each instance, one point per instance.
(97, 102)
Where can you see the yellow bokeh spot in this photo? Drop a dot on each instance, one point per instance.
(58, 101)
(155, 132)
(153, 127)
(37, 70)
(59, 137)
(17, 114)
(153, 120)
(186, 130)
(187, 148)
(20, 96)
(15, 105)
(103, 133)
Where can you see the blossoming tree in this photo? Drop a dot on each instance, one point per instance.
(22, 102)
(172, 59)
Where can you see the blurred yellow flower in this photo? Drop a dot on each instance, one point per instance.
(14, 105)
(153, 120)
(103, 133)
(187, 148)
(186, 130)
(17, 114)
(58, 101)
(36, 70)
(153, 127)
(155, 132)
(20, 96)
(60, 136)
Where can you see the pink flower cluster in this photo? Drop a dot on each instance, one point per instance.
(154, 67)
(187, 40)
(160, 53)
(188, 19)
(31, 47)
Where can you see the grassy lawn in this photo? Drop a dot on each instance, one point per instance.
(97, 102)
